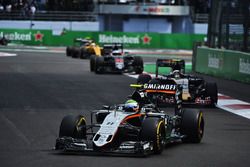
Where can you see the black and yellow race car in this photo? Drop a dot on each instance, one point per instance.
(137, 127)
(4, 41)
(83, 48)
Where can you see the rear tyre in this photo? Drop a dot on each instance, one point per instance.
(153, 129)
(143, 78)
(68, 51)
(212, 92)
(77, 53)
(138, 64)
(82, 54)
(73, 126)
(192, 125)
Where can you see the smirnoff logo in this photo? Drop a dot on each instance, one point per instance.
(160, 86)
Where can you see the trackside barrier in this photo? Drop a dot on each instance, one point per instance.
(227, 64)
(130, 40)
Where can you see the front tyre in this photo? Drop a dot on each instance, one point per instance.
(73, 126)
(92, 62)
(192, 125)
(153, 129)
(99, 65)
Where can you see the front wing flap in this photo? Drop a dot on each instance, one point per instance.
(133, 148)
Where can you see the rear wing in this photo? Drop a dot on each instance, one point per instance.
(83, 41)
(170, 88)
(166, 86)
(174, 64)
(108, 48)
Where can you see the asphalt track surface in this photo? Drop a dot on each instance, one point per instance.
(38, 89)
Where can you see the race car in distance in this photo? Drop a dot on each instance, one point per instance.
(83, 48)
(115, 60)
(195, 90)
(173, 64)
(4, 41)
(138, 128)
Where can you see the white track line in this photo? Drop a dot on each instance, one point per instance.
(4, 54)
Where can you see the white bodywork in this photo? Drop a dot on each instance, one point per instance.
(185, 89)
(109, 127)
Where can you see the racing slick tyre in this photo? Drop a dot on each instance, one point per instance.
(92, 62)
(73, 52)
(99, 65)
(68, 51)
(138, 64)
(143, 78)
(192, 125)
(153, 129)
(212, 92)
(83, 54)
(77, 53)
(73, 126)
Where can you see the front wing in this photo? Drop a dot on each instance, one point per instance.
(132, 148)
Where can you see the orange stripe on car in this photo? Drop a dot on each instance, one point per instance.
(161, 91)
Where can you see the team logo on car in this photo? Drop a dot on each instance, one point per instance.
(160, 86)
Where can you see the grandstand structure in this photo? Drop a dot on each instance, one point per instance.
(229, 25)
(164, 16)
(226, 22)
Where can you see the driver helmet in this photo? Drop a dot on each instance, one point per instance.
(131, 106)
(176, 74)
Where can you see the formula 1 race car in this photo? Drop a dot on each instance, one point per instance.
(136, 128)
(83, 48)
(4, 41)
(195, 90)
(173, 64)
(115, 60)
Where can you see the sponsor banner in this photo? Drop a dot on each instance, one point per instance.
(29, 37)
(130, 40)
(223, 63)
(145, 9)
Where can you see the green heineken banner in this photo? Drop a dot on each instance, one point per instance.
(228, 64)
(130, 40)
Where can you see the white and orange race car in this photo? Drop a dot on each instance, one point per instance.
(136, 128)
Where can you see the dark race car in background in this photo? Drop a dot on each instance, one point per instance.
(115, 60)
(115, 130)
(4, 41)
(195, 90)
